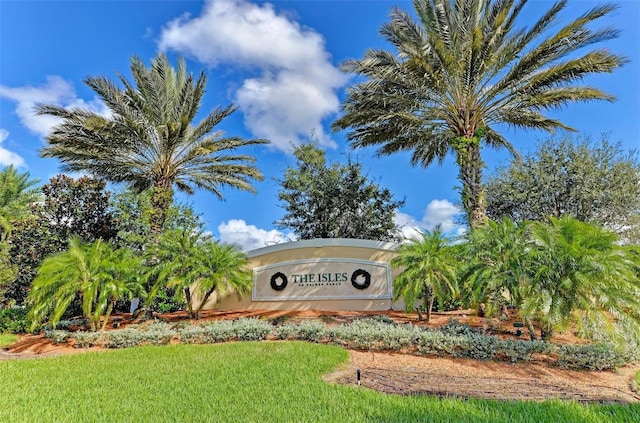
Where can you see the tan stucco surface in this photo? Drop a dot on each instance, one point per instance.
(339, 255)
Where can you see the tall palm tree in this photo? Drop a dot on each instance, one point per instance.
(149, 139)
(429, 270)
(17, 192)
(462, 69)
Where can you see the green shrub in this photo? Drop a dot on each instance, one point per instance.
(439, 343)
(66, 324)
(590, 356)
(13, 320)
(154, 334)
(454, 327)
(521, 350)
(251, 329)
(311, 331)
(85, 339)
(57, 336)
(220, 331)
(192, 334)
(373, 334)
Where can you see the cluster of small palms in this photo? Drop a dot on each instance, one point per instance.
(555, 274)
(193, 265)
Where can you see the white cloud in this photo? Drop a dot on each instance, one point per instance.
(440, 212)
(296, 84)
(437, 213)
(249, 237)
(8, 157)
(55, 91)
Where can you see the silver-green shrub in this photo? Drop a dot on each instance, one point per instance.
(311, 331)
(251, 329)
(85, 339)
(56, 335)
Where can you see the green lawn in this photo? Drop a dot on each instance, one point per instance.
(238, 382)
(7, 339)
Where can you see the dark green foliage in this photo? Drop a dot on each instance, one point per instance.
(132, 212)
(13, 320)
(31, 241)
(166, 301)
(335, 200)
(70, 208)
(78, 207)
(595, 182)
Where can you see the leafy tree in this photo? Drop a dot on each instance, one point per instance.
(197, 266)
(98, 273)
(149, 140)
(78, 207)
(593, 182)
(462, 69)
(578, 274)
(17, 193)
(132, 212)
(7, 274)
(334, 200)
(429, 271)
(70, 208)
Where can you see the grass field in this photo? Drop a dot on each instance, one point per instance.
(239, 382)
(7, 339)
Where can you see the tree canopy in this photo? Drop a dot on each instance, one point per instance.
(595, 182)
(333, 200)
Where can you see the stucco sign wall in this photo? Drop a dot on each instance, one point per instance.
(322, 279)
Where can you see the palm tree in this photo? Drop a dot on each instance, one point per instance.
(496, 267)
(17, 192)
(429, 270)
(95, 271)
(197, 266)
(578, 274)
(462, 69)
(149, 140)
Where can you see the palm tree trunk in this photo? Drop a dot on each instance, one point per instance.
(532, 330)
(107, 314)
(187, 297)
(204, 301)
(470, 166)
(432, 298)
(161, 199)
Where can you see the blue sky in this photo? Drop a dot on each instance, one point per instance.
(278, 62)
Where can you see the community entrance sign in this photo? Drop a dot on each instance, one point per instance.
(318, 274)
(322, 279)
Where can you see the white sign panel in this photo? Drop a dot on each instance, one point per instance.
(322, 279)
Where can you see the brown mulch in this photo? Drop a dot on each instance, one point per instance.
(406, 374)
